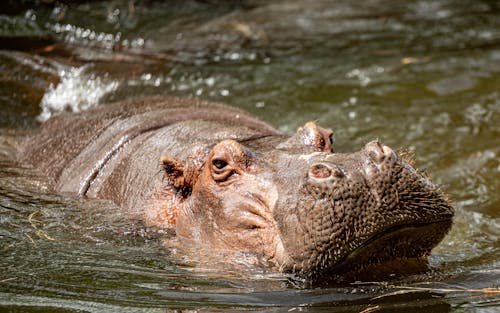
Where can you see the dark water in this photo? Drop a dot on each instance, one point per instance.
(419, 75)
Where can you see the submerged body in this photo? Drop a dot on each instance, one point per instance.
(228, 181)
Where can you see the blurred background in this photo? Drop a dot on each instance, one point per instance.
(422, 76)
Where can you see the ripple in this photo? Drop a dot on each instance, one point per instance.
(452, 84)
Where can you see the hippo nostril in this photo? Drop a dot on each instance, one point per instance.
(323, 171)
(375, 151)
(376, 157)
(379, 153)
(320, 171)
(337, 172)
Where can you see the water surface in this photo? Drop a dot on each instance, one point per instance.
(422, 76)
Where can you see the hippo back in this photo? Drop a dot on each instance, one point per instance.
(114, 150)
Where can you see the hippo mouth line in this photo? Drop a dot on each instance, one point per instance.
(399, 249)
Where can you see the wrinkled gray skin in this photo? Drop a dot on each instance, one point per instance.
(228, 181)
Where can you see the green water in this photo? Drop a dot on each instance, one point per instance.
(418, 75)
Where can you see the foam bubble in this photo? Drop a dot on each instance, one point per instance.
(76, 92)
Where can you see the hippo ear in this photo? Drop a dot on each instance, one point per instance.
(310, 137)
(177, 174)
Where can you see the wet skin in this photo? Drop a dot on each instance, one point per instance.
(225, 180)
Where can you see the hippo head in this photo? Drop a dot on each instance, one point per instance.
(308, 210)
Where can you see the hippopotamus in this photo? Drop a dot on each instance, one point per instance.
(224, 180)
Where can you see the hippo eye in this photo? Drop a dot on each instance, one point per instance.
(219, 164)
(221, 171)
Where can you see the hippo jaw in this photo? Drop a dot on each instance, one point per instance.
(400, 250)
(361, 215)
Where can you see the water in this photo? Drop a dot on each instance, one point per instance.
(421, 76)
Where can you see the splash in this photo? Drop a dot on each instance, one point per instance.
(77, 91)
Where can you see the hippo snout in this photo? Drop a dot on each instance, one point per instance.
(362, 209)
